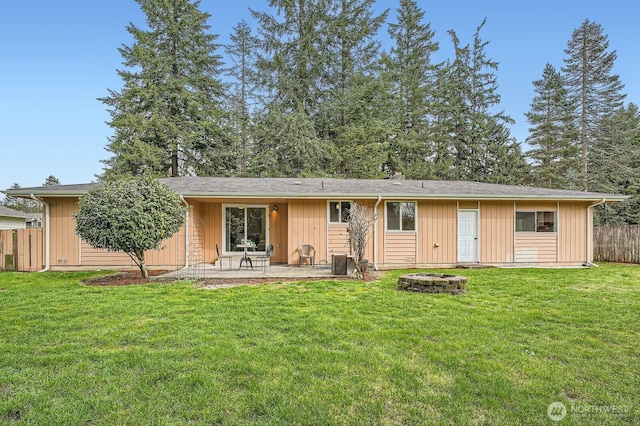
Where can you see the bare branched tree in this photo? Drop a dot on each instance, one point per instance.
(359, 223)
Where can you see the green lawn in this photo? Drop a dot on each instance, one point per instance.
(332, 352)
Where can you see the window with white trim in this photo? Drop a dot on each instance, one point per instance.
(401, 216)
(536, 221)
(339, 211)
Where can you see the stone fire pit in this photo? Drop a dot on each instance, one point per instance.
(433, 283)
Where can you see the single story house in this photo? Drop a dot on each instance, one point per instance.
(418, 223)
(14, 219)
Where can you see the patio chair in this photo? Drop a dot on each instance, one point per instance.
(224, 257)
(263, 260)
(306, 251)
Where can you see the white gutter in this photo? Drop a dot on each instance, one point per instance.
(375, 234)
(186, 236)
(47, 233)
(590, 230)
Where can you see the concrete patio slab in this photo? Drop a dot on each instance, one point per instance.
(209, 271)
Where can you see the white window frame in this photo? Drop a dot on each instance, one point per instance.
(535, 219)
(340, 206)
(244, 206)
(386, 216)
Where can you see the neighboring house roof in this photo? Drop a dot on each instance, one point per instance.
(326, 188)
(35, 216)
(7, 212)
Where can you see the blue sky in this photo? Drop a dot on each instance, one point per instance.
(58, 57)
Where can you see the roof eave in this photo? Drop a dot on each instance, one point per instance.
(407, 196)
(27, 192)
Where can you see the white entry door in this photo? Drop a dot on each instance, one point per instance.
(467, 235)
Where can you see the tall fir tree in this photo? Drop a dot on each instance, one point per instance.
(290, 68)
(479, 138)
(51, 180)
(591, 85)
(411, 76)
(290, 65)
(241, 100)
(167, 116)
(553, 134)
(355, 116)
(615, 165)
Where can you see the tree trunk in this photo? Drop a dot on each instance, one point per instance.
(142, 265)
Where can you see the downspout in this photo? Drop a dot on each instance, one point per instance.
(186, 234)
(590, 231)
(47, 233)
(375, 234)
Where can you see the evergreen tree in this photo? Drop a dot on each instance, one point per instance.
(553, 134)
(51, 181)
(286, 145)
(167, 117)
(590, 82)
(447, 107)
(242, 53)
(480, 142)
(290, 68)
(411, 77)
(290, 65)
(615, 165)
(355, 115)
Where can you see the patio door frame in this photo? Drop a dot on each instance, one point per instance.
(243, 206)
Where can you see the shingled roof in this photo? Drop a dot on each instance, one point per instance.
(296, 188)
(7, 212)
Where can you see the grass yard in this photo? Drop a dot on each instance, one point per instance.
(331, 352)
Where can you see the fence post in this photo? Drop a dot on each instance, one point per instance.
(16, 252)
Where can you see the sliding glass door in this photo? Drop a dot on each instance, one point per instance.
(245, 222)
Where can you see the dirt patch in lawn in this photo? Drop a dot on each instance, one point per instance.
(134, 278)
(128, 278)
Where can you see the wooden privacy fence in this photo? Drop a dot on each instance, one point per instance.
(616, 244)
(22, 249)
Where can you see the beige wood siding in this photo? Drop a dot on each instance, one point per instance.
(337, 240)
(98, 257)
(64, 244)
(66, 249)
(572, 228)
(199, 250)
(536, 247)
(369, 251)
(208, 217)
(533, 206)
(307, 225)
(437, 232)
(278, 233)
(467, 205)
(172, 252)
(496, 231)
(400, 248)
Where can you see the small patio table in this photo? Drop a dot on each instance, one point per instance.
(245, 258)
